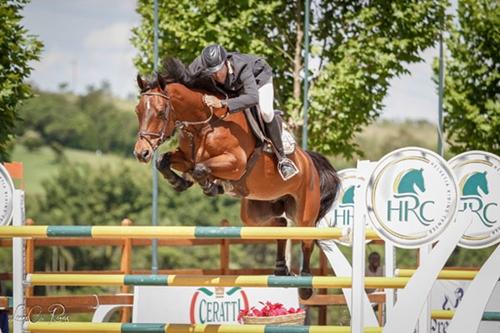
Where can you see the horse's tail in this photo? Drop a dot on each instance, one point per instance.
(329, 182)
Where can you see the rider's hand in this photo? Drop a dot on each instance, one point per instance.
(212, 101)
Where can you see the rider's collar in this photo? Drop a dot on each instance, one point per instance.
(229, 67)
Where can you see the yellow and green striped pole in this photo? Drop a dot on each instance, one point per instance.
(209, 281)
(448, 315)
(82, 327)
(443, 275)
(173, 232)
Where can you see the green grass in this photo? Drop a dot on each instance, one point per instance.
(43, 164)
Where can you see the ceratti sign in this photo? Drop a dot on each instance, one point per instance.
(203, 305)
(221, 305)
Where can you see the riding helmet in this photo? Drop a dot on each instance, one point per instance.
(213, 58)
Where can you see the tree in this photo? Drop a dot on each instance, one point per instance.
(91, 121)
(366, 44)
(17, 49)
(471, 95)
(188, 26)
(359, 47)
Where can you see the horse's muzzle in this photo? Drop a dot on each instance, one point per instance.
(144, 156)
(143, 152)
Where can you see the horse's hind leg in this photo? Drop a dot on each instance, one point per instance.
(305, 215)
(265, 213)
(307, 249)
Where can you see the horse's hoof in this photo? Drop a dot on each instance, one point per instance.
(305, 293)
(220, 189)
(200, 172)
(182, 185)
(212, 190)
(281, 271)
(163, 162)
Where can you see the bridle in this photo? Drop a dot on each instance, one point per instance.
(148, 136)
(182, 125)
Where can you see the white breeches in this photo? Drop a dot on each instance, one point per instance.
(266, 101)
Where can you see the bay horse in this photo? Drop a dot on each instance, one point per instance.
(219, 151)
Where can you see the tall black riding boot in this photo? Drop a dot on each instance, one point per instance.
(286, 168)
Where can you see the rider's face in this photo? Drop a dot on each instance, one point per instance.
(221, 74)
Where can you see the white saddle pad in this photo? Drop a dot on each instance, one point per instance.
(289, 143)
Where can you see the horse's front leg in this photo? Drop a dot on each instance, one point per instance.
(281, 267)
(227, 166)
(164, 164)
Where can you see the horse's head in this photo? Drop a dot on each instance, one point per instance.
(155, 114)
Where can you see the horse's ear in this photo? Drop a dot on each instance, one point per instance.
(140, 82)
(161, 81)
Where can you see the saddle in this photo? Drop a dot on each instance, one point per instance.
(254, 118)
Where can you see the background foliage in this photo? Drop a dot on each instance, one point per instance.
(365, 45)
(90, 122)
(359, 47)
(472, 78)
(17, 49)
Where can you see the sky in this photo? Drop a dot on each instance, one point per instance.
(88, 41)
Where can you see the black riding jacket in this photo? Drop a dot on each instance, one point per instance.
(246, 74)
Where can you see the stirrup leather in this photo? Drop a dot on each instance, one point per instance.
(288, 163)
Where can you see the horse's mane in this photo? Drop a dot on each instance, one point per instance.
(174, 71)
(150, 82)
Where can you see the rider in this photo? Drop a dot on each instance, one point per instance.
(249, 82)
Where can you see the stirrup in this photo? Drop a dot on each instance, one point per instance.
(291, 168)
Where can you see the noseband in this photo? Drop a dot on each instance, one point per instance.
(149, 136)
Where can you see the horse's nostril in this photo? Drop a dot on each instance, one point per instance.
(145, 154)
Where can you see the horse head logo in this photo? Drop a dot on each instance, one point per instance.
(407, 182)
(348, 197)
(473, 187)
(473, 182)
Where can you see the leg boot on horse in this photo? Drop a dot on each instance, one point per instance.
(163, 166)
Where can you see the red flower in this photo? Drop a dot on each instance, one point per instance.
(268, 310)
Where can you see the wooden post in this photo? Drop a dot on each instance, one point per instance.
(126, 268)
(224, 251)
(323, 265)
(380, 314)
(29, 263)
